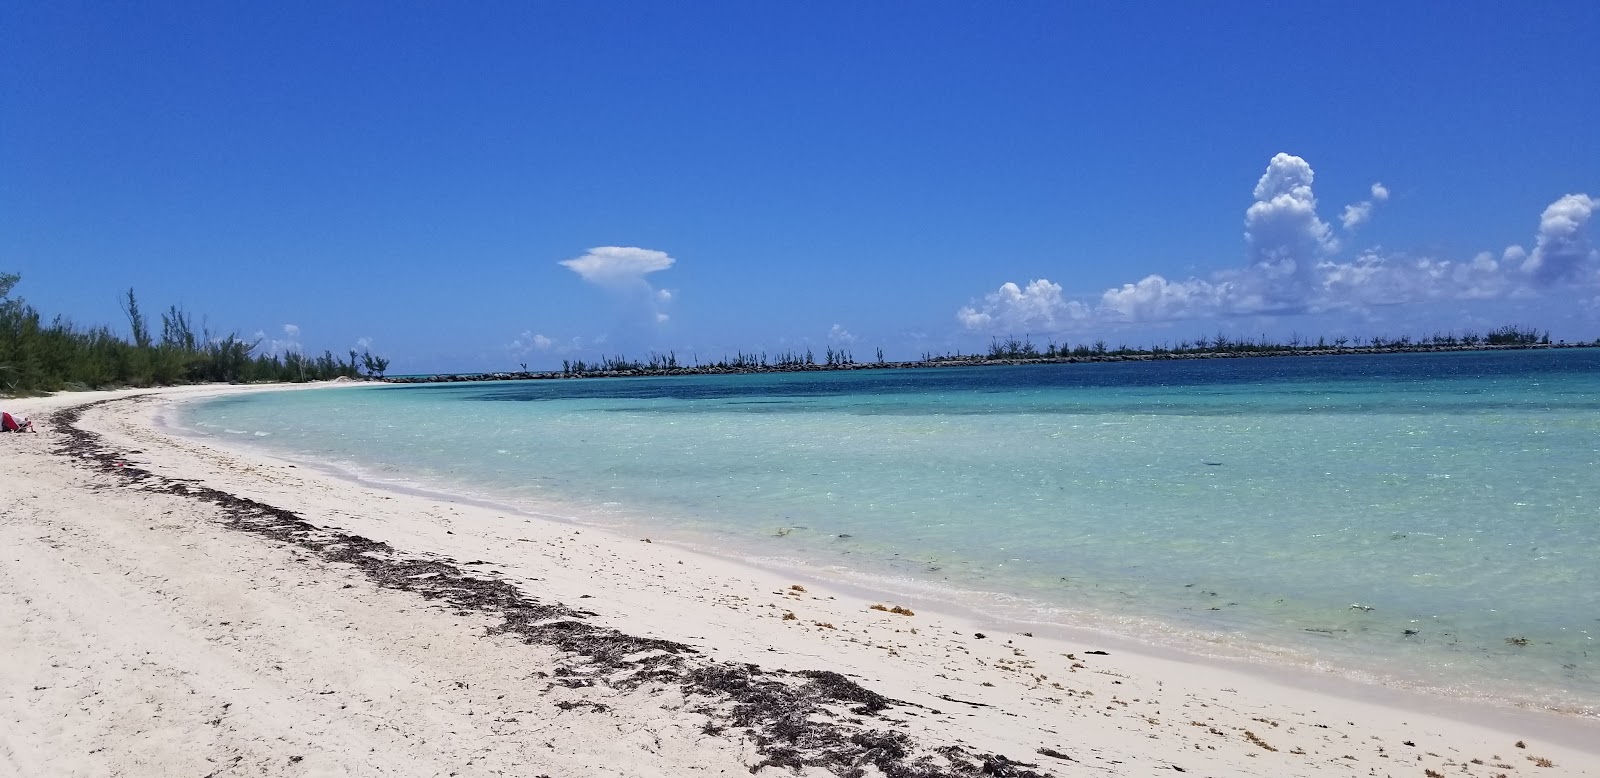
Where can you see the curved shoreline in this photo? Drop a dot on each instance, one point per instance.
(789, 714)
(1288, 665)
(1350, 666)
(734, 613)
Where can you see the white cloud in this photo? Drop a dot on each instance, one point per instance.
(1376, 279)
(1561, 250)
(1037, 307)
(1360, 213)
(974, 319)
(618, 264)
(622, 271)
(1283, 233)
(290, 342)
(839, 334)
(1356, 214)
(528, 341)
(1561, 254)
(363, 343)
(1156, 298)
(1293, 267)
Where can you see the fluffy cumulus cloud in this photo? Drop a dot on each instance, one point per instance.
(618, 264)
(1155, 298)
(838, 334)
(1294, 267)
(1561, 257)
(1561, 250)
(1373, 278)
(1037, 307)
(1357, 214)
(1285, 237)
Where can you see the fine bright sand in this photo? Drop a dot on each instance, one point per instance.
(171, 608)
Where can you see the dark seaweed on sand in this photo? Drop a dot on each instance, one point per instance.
(808, 718)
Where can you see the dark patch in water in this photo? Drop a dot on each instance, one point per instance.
(1327, 378)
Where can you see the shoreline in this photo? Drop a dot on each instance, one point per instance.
(1296, 666)
(1343, 669)
(733, 612)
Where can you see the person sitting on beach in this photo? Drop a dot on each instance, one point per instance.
(15, 422)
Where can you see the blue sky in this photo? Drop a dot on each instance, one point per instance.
(764, 175)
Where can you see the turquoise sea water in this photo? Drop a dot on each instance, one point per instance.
(1302, 510)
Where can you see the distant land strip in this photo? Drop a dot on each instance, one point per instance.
(620, 369)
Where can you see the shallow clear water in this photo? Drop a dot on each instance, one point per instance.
(1242, 505)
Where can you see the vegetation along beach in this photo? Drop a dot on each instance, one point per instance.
(831, 390)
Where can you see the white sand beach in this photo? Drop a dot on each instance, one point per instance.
(168, 607)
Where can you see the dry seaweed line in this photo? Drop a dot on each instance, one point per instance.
(789, 715)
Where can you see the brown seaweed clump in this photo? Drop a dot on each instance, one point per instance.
(897, 610)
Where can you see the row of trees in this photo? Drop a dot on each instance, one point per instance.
(40, 356)
(784, 360)
(1011, 347)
